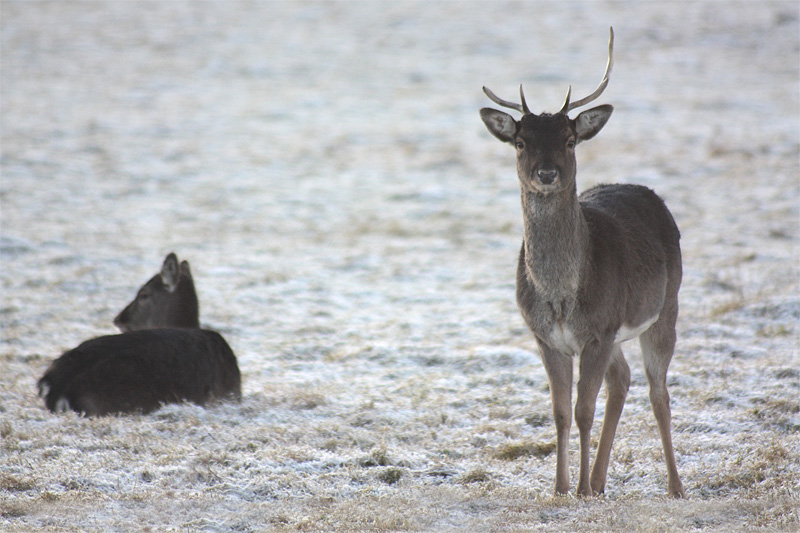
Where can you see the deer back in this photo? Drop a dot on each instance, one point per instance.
(139, 371)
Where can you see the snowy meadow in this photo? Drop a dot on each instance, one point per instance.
(353, 232)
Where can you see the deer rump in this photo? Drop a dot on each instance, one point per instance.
(139, 371)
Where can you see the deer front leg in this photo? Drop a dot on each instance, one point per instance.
(559, 373)
(618, 380)
(594, 362)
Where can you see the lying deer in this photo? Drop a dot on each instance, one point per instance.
(594, 271)
(142, 369)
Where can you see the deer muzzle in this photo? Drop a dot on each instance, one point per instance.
(547, 177)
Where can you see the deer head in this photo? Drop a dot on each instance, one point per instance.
(546, 143)
(168, 300)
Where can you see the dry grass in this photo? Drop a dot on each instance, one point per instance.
(514, 451)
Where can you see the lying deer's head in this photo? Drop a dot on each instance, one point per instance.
(546, 143)
(168, 300)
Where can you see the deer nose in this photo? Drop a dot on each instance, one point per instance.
(547, 177)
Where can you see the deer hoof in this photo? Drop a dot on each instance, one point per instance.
(677, 492)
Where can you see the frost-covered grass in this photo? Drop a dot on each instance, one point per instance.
(353, 232)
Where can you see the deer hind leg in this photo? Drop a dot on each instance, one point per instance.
(658, 344)
(618, 380)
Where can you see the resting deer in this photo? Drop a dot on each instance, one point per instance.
(594, 271)
(141, 369)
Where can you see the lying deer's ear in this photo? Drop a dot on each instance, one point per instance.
(169, 272)
(591, 121)
(185, 270)
(499, 124)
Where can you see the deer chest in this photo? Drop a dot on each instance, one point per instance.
(562, 338)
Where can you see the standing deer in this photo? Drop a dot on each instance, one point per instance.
(141, 369)
(594, 271)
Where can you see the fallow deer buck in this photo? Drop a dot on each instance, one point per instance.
(141, 369)
(594, 271)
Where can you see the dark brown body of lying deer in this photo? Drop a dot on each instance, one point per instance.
(161, 357)
(594, 271)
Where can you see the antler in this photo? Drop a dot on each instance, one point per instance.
(600, 88)
(522, 108)
(567, 107)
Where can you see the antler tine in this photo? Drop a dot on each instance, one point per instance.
(499, 101)
(600, 88)
(525, 109)
(565, 108)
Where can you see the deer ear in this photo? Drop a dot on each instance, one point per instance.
(591, 121)
(499, 124)
(169, 271)
(185, 270)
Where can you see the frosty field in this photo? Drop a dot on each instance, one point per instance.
(353, 232)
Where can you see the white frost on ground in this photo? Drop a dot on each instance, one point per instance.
(353, 231)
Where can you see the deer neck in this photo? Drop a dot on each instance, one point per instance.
(556, 242)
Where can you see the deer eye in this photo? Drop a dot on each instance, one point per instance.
(571, 144)
(520, 145)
